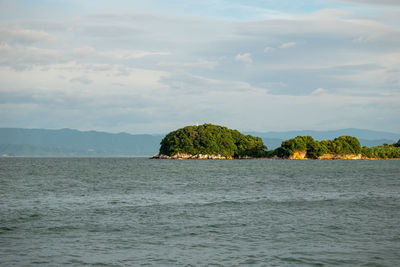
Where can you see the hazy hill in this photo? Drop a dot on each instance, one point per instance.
(67, 142)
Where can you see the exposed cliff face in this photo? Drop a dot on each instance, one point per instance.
(298, 155)
(189, 156)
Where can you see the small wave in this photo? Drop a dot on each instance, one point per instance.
(36, 262)
(301, 260)
(100, 264)
(250, 261)
(62, 228)
(5, 229)
(334, 227)
(250, 201)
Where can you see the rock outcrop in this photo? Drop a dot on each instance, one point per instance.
(342, 157)
(302, 155)
(189, 156)
(298, 155)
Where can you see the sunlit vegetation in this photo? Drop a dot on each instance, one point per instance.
(209, 139)
(342, 145)
(384, 151)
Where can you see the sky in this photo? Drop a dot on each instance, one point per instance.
(154, 66)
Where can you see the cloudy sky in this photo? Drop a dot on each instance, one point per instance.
(153, 66)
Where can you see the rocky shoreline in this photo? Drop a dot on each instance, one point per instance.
(197, 156)
(301, 155)
(295, 156)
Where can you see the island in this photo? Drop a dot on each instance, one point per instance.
(210, 141)
(343, 147)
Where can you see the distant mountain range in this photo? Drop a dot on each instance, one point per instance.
(68, 142)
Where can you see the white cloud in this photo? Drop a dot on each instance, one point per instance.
(22, 57)
(199, 64)
(285, 45)
(268, 49)
(246, 58)
(186, 83)
(319, 91)
(288, 45)
(68, 77)
(23, 36)
(374, 2)
(117, 54)
(84, 51)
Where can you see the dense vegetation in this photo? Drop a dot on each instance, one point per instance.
(212, 140)
(384, 151)
(340, 146)
(343, 145)
(208, 139)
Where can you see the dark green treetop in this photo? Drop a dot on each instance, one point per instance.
(396, 144)
(212, 140)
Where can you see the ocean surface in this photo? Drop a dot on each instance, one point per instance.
(142, 212)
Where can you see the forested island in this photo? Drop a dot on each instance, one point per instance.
(343, 147)
(210, 141)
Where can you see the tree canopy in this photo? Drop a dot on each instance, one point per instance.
(212, 140)
(343, 145)
(340, 146)
(384, 151)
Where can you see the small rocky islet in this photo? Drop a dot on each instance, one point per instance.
(210, 141)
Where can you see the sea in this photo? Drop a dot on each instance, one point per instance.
(143, 212)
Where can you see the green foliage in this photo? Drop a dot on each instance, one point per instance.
(312, 148)
(343, 145)
(212, 139)
(384, 151)
(396, 144)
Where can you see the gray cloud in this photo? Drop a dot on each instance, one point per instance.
(107, 31)
(374, 2)
(22, 36)
(81, 80)
(198, 64)
(25, 57)
(186, 83)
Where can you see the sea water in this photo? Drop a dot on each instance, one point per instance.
(137, 211)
